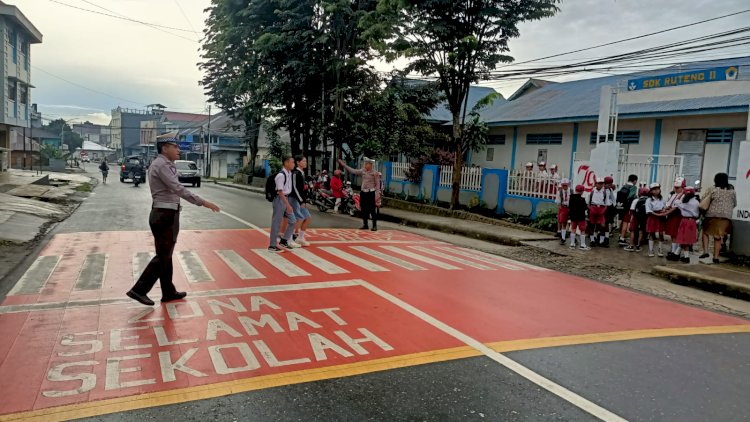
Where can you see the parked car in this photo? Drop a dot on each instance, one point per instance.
(187, 172)
(129, 164)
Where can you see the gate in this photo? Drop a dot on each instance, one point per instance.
(663, 169)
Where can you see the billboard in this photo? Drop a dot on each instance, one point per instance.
(727, 73)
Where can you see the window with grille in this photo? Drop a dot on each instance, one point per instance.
(490, 154)
(12, 90)
(496, 140)
(623, 136)
(544, 139)
(719, 136)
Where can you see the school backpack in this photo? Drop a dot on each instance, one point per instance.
(623, 197)
(271, 192)
(640, 208)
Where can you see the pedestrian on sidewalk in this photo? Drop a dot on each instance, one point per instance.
(301, 196)
(656, 220)
(164, 220)
(673, 214)
(638, 221)
(687, 233)
(563, 209)
(599, 200)
(624, 202)
(577, 215)
(370, 185)
(282, 208)
(104, 168)
(717, 224)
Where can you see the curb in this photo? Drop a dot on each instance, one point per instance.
(241, 187)
(703, 282)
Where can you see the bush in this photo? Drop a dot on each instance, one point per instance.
(438, 157)
(546, 220)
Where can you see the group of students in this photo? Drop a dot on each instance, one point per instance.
(644, 212)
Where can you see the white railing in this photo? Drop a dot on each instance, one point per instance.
(532, 185)
(398, 170)
(664, 172)
(471, 178)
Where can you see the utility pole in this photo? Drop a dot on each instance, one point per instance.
(208, 129)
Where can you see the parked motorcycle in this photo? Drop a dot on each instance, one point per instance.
(325, 201)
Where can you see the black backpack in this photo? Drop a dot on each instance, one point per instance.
(622, 198)
(271, 192)
(640, 208)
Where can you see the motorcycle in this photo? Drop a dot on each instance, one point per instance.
(325, 201)
(137, 178)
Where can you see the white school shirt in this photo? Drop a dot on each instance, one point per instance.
(600, 197)
(654, 205)
(285, 186)
(674, 200)
(563, 196)
(690, 209)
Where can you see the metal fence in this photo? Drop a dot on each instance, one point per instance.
(532, 185)
(471, 178)
(399, 170)
(648, 169)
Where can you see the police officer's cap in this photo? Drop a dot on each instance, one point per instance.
(167, 138)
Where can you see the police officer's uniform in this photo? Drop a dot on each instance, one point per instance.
(164, 220)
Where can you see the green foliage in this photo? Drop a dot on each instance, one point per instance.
(475, 202)
(49, 151)
(72, 139)
(546, 220)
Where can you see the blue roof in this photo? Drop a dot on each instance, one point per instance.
(579, 100)
(441, 113)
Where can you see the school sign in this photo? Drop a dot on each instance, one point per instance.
(727, 73)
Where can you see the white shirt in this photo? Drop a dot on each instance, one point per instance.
(654, 205)
(674, 200)
(285, 186)
(601, 197)
(563, 196)
(690, 208)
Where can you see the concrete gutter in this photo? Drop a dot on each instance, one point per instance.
(735, 288)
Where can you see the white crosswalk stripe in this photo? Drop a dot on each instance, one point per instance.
(239, 265)
(140, 261)
(315, 260)
(353, 259)
(506, 260)
(36, 276)
(419, 257)
(487, 258)
(388, 258)
(281, 263)
(93, 271)
(446, 257)
(193, 267)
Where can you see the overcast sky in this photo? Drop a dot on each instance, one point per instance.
(109, 62)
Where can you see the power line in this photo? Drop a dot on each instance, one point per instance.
(190, 24)
(85, 87)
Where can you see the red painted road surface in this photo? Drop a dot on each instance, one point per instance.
(70, 336)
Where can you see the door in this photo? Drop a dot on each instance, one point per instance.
(691, 145)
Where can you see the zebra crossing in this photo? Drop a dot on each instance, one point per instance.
(201, 266)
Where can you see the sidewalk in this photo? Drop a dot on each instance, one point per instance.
(721, 278)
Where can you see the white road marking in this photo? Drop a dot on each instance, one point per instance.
(239, 265)
(93, 271)
(395, 242)
(551, 386)
(36, 276)
(315, 260)
(280, 263)
(353, 259)
(510, 261)
(247, 223)
(385, 257)
(193, 267)
(140, 261)
(422, 258)
(451, 258)
(470, 253)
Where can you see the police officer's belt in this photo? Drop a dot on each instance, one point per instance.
(167, 205)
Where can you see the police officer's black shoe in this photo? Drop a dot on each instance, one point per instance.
(364, 227)
(374, 228)
(140, 298)
(176, 296)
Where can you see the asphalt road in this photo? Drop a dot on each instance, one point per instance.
(593, 346)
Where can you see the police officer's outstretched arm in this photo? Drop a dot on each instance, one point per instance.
(173, 183)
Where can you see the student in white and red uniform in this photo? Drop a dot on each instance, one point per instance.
(563, 208)
(554, 179)
(687, 233)
(656, 220)
(672, 211)
(611, 213)
(599, 200)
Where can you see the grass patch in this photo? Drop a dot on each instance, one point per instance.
(84, 187)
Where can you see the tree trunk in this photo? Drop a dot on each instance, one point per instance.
(252, 128)
(458, 162)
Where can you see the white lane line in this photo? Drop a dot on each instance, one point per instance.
(496, 258)
(446, 257)
(247, 223)
(140, 261)
(419, 257)
(469, 253)
(514, 366)
(193, 267)
(36, 276)
(353, 259)
(387, 258)
(280, 263)
(315, 260)
(32, 307)
(239, 265)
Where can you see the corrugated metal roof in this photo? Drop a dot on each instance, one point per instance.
(580, 99)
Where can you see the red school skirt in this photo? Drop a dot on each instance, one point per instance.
(562, 214)
(655, 224)
(673, 224)
(687, 233)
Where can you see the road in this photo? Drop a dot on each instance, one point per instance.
(390, 325)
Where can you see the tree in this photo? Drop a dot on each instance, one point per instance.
(459, 43)
(72, 139)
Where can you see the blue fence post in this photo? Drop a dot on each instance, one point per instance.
(502, 190)
(435, 180)
(267, 167)
(388, 167)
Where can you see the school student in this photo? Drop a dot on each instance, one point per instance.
(638, 218)
(599, 200)
(563, 208)
(672, 211)
(656, 221)
(687, 233)
(577, 215)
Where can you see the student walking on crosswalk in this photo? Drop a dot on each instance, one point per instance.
(282, 208)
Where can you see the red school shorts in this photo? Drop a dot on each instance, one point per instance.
(562, 214)
(597, 214)
(580, 225)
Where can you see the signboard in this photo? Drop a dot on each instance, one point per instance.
(185, 146)
(84, 154)
(728, 73)
(196, 148)
(742, 184)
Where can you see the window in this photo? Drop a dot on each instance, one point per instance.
(23, 94)
(496, 140)
(490, 154)
(25, 52)
(719, 136)
(14, 44)
(544, 139)
(12, 90)
(623, 136)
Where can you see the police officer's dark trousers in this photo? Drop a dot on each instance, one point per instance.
(367, 202)
(165, 224)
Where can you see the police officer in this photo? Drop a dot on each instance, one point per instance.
(164, 220)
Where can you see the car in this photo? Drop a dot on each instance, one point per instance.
(85, 159)
(128, 164)
(187, 172)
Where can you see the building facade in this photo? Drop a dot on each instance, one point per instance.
(125, 127)
(18, 33)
